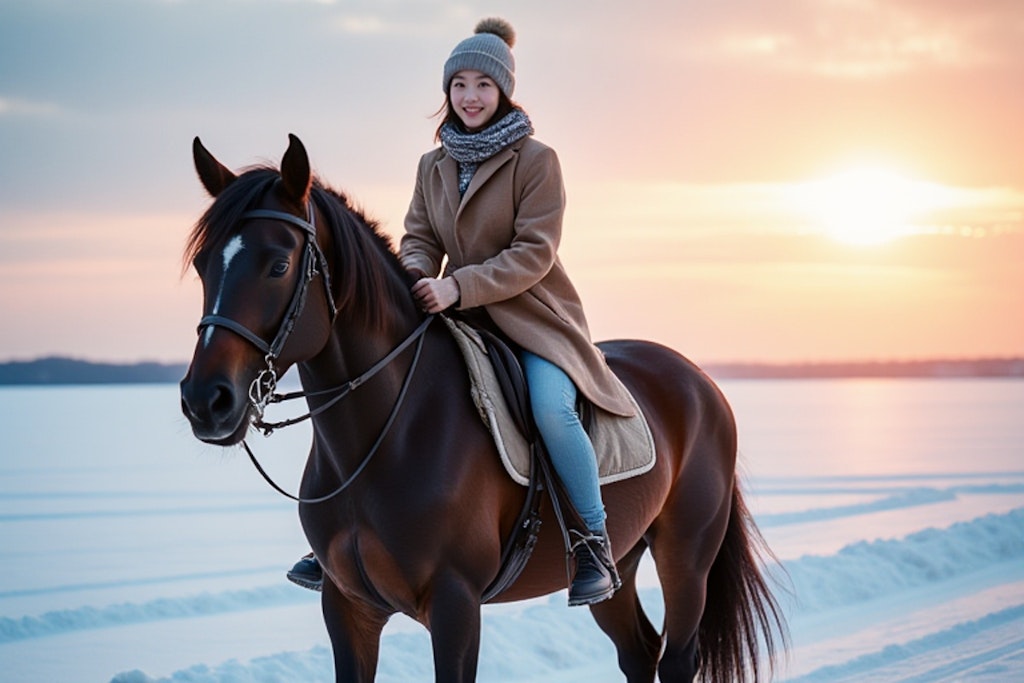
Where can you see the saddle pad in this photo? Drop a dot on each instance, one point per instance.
(624, 445)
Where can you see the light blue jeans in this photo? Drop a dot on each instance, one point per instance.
(553, 402)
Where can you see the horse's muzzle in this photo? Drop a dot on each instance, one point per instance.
(217, 410)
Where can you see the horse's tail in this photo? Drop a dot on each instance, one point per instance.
(741, 615)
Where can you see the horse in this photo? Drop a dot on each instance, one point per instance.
(403, 498)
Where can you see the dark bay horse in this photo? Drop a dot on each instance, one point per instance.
(405, 502)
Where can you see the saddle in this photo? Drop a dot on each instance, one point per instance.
(625, 446)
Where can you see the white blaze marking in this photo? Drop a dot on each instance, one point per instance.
(232, 249)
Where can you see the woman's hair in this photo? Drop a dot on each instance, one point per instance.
(505, 105)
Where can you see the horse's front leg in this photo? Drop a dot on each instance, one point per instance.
(454, 621)
(355, 630)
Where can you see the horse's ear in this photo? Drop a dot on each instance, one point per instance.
(295, 173)
(214, 176)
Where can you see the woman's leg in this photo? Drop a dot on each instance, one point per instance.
(553, 401)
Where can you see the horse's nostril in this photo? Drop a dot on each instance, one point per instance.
(214, 409)
(222, 400)
(212, 402)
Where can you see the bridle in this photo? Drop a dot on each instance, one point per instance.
(263, 389)
(314, 263)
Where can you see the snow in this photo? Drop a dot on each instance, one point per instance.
(133, 554)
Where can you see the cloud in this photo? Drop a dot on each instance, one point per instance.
(363, 24)
(668, 214)
(16, 106)
(866, 38)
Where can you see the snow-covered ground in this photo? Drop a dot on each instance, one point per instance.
(133, 554)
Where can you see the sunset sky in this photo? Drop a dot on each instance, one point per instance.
(793, 180)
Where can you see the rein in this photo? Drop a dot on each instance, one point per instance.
(418, 335)
(260, 400)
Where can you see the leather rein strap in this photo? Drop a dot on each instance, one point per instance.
(342, 390)
(417, 336)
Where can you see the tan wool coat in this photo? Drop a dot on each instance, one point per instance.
(501, 241)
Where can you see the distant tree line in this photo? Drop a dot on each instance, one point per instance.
(70, 371)
(980, 367)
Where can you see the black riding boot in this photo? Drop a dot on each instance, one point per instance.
(595, 577)
(307, 573)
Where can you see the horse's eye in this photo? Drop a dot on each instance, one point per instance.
(279, 269)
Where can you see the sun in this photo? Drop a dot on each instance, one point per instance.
(868, 205)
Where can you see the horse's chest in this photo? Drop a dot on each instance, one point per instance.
(379, 566)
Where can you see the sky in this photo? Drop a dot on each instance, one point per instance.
(794, 181)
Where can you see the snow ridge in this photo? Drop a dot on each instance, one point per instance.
(927, 646)
(895, 501)
(868, 570)
(204, 604)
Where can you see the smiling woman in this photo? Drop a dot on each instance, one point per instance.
(870, 204)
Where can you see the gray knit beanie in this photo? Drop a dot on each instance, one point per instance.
(489, 51)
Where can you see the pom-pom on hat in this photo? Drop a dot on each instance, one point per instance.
(489, 51)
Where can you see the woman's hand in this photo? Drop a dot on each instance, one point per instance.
(435, 295)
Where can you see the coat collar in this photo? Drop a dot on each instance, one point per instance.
(448, 169)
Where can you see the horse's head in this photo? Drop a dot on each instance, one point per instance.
(257, 254)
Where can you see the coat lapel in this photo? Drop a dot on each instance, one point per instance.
(448, 170)
(484, 172)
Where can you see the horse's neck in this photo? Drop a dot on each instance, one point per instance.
(352, 347)
(356, 345)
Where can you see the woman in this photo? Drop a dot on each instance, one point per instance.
(490, 200)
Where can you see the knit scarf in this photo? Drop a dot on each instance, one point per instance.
(472, 149)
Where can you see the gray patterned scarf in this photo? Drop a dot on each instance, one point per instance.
(471, 149)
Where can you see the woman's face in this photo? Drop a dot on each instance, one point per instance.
(474, 98)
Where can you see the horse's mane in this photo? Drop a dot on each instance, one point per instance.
(363, 259)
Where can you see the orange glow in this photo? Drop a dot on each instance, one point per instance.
(870, 204)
